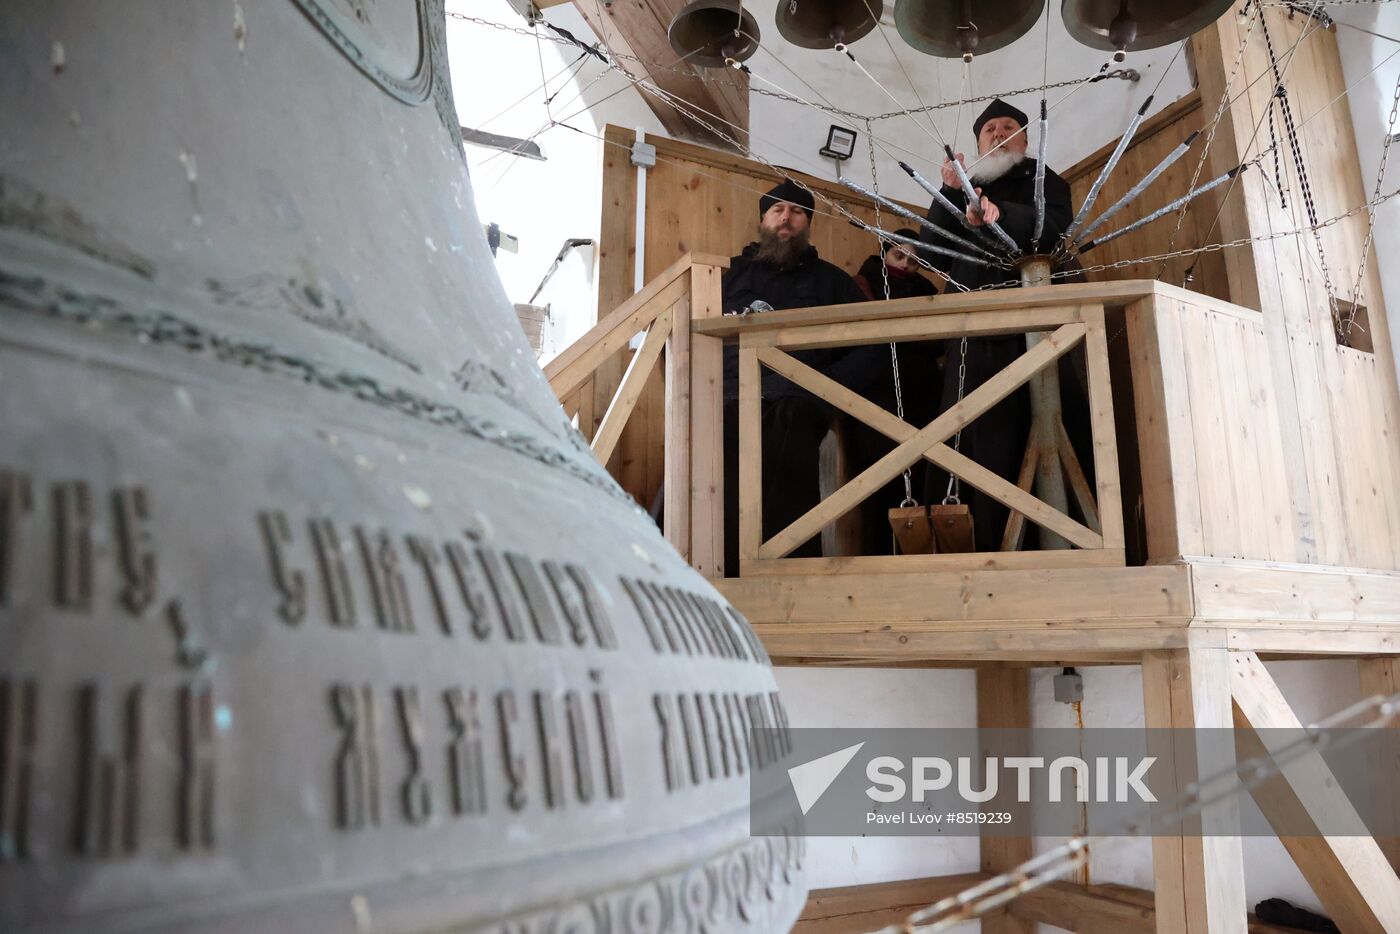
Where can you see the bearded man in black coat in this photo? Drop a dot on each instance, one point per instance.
(1004, 179)
(782, 270)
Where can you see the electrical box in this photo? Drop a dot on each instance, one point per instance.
(644, 154)
(1069, 687)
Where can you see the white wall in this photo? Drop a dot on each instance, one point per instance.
(544, 203)
(1370, 102)
(541, 203)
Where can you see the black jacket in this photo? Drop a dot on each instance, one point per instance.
(812, 282)
(871, 280)
(1014, 195)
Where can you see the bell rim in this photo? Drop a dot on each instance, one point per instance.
(787, 30)
(748, 24)
(1000, 40)
(1092, 37)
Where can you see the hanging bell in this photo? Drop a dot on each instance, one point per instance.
(824, 24)
(1122, 26)
(712, 33)
(951, 28)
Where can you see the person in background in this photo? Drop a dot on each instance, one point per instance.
(905, 280)
(778, 271)
(920, 375)
(1004, 179)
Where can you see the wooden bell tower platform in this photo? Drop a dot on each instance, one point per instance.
(1246, 495)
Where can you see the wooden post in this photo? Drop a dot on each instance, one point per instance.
(706, 490)
(1382, 676)
(617, 249)
(750, 456)
(1004, 702)
(1110, 493)
(676, 486)
(1199, 879)
(1166, 440)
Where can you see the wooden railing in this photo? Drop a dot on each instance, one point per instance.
(1061, 328)
(1210, 469)
(687, 292)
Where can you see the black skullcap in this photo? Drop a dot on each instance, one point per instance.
(998, 108)
(788, 191)
(909, 232)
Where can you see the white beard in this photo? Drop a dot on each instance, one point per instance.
(993, 167)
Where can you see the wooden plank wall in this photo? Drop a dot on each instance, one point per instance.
(1156, 137)
(698, 200)
(1213, 463)
(1338, 407)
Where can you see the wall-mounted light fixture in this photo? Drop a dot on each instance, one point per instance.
(840, 143)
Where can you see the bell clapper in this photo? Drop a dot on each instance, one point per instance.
(1122, 32)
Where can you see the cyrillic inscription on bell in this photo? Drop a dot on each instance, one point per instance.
(300, 628)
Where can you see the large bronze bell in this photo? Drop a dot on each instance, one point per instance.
(315, 614)
(824, 24)
(712, 33)
(962, 28)
(1133, 25)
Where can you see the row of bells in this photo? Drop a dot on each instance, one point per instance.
(715, 33)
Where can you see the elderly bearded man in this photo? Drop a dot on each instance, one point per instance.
(1004, 178)
(782, 270)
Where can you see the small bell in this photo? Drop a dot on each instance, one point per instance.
(948, 28)
(1108, 24)
(713, 33)
(826, 24)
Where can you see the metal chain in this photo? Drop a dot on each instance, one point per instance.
(721, 76)
(1280, 100)
(954, 487)
(1217, 247)
(1371, 215)
(894, 348)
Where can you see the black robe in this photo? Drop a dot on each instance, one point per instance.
(997, 439)
(810, 283)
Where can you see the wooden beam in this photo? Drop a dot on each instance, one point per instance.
(1109, 494)
(908, 564)
(1109, 294)
(1102, 909)
(706, 489)
(1032, 598)
(1004, 703)
(1381, 676)
(1350, 875)
(854, 909)
(568, 370)
(982, 323)
(751, 466)
(676, 453)
(1199, 879)
(637, 28)
(631, 389)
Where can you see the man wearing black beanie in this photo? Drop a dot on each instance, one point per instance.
(782, 270)
(1004, 178)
